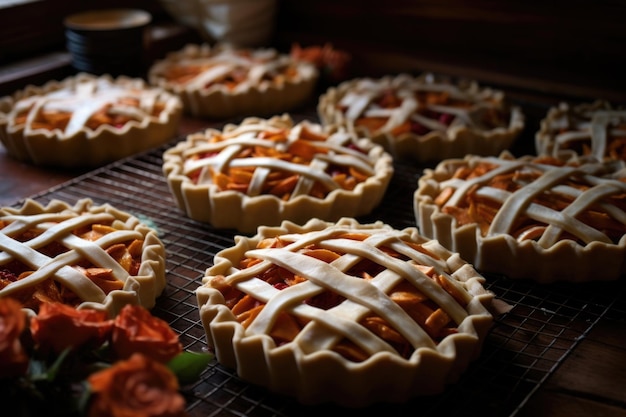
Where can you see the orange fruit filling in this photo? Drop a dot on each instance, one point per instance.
(127, 254)
(420, 308)
(281, 183)
(51, 119)
(389, 99)
(481, 210)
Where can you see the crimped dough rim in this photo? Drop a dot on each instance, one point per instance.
(231, 209)
(217, 102)
(143, 288)
(87, 147)
(325, 376)
(566, 260)
(435, 145)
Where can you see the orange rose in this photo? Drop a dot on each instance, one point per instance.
(58, 326)
(137, 387)
(13, 359)
(136, 330)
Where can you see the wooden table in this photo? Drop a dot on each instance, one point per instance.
(590, 381)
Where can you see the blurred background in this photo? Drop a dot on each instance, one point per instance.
(570, 48)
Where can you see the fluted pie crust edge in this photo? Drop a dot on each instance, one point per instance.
(325, 376)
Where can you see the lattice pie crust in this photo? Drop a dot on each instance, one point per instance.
(593, 130)
(426, 118)
(344, 312)
(87, 121)
(224, 81)
(531, 217)
(86, 256)
(264, 171)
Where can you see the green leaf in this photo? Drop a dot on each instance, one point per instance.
(82, 401)
(54, 369)
(40, 371)
(188, 366)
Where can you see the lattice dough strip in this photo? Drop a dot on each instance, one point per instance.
(57, 267)
(258, 179)
(303, 170)
(419, 280)
(521, 198)
(599, 137)
(348, 286)
(249, 129)
(569, 136)
(93, 250)
(463, 186)
(305, 184)
(513, 204)
(441, 267)
(348, 161)
(545, 215)
(210, 75)
(298, 242)
(241, 141)
(289, 299)
(315, 336)
(401, 113)
(52, 226)
(584, 200)
(347, 309)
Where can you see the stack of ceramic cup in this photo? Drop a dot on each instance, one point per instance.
(110, 41)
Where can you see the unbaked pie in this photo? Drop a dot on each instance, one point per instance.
(344, 312)
(532, 217)
(223, 81)
(83, 255)
(595, 130)
(426, 118)
(86, 121)
(264, 171)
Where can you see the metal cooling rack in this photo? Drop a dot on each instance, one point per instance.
(522, 350)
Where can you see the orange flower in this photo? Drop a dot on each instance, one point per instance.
(13, 359)
(136, 330)
(58, 326)
(137, 387)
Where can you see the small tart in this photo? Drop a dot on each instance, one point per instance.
(592, 130)
(264, 171)
(84, 256)
(425, 118)
(86, 121)
(344, 312)
(532, 217)
(223, 81)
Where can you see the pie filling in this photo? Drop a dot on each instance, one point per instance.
(355, 292)
(420, 113)
(89, 104)
(543, 200)
(257, 159)
(232, 69)
(74, 257)
(594, 130)
(405, 105)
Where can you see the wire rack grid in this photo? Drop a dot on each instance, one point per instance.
(522, 350)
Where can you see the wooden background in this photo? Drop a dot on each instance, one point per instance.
(569, 48)
(572, 48)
